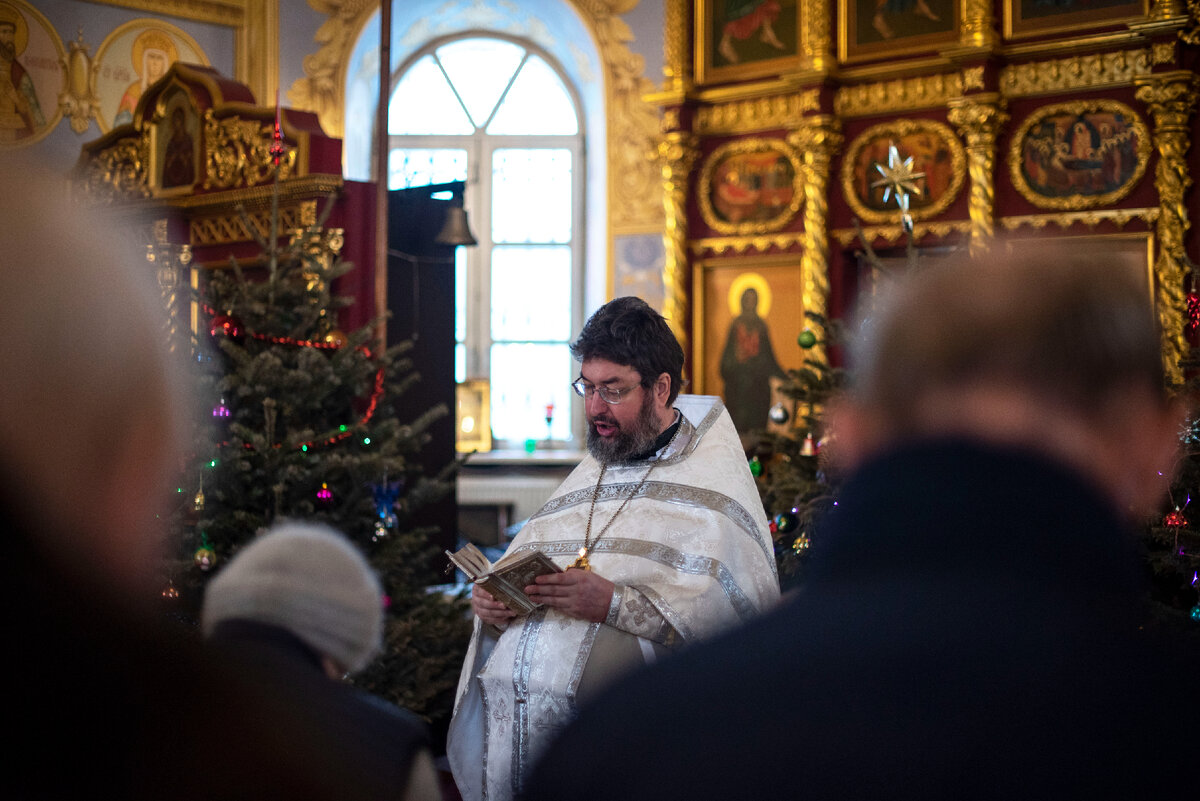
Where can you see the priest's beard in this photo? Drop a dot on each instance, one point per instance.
(631, 438)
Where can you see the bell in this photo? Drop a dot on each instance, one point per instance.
(454, 230)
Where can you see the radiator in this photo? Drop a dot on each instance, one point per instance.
(525, 494)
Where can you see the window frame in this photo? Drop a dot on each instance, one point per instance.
(477, 200)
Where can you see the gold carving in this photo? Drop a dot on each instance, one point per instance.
(891, 234)
(633, 124)
(733, 178)
(1118, 217)
(1162, 52)
(323, 88)
(677, 152)
(1076, 201)
(118, 172)
(758, 114)
(972, 78)
(1192, 34)
(816, 35)
(740, 245)
(978, 28)
(817, 141)
(225, 229)
(677, 55)
(904, 94)
(78, 99)
(1092, 71)
(1171, 99)
(979, 118)
(896, 130)
(239, 153)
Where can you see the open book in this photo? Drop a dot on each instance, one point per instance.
(508, 578)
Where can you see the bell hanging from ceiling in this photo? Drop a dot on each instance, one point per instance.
(455, 230)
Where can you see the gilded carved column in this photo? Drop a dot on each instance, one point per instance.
(1171, 98)
(818, 139)
(979, 119)
(816, 35)
(677, 152)
(677, 46)
(978, 29)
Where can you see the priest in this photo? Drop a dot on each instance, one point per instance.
(663, 540)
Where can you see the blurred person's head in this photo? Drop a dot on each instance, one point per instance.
(628, 349)
(310, 581)
(1042, 350)
(92, 409)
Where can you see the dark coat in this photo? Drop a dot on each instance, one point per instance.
(107, 701)
(377, 738)
(970, 629)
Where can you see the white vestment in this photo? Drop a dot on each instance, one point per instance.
(690, 554)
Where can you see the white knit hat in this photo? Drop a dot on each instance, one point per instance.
(308, 579)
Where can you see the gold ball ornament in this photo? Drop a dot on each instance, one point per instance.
(205, 557)
(336, 337)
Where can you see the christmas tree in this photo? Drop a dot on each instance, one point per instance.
(302, 420)
(1172, 542)
(787, 461)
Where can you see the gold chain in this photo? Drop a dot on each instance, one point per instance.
(581, 561)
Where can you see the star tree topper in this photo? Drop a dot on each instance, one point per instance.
(898, 177)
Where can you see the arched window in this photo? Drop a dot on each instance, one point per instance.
(500, 115)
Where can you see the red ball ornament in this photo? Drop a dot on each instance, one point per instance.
(225, 325)
(1175, 519)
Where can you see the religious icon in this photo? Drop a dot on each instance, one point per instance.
(153, 51)
(131, 59)
(30, 75)
(748, 362)
(1080, 154)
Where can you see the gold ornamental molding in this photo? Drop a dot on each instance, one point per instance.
(116, 173)
(816, 36)
(677, 55)
(1172, 98)
(678, 152)
(1117, 217)
(759, 114)
(1092, 71)
(903, 94)
(741, 245)
(239, 153)
(226, 229)
(817, 141)
(979, 118)
(1057, 151)
(1192, 34)
(891, 234)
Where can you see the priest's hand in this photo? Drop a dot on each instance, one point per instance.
(576, 593)
(488, 609)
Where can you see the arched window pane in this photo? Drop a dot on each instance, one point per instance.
(424, 166)
(424, 103)
(531, 195)
(537, 103)
(479, 70)
(529, 287)
(526, 378)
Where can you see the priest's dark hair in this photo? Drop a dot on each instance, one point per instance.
(627, 331)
